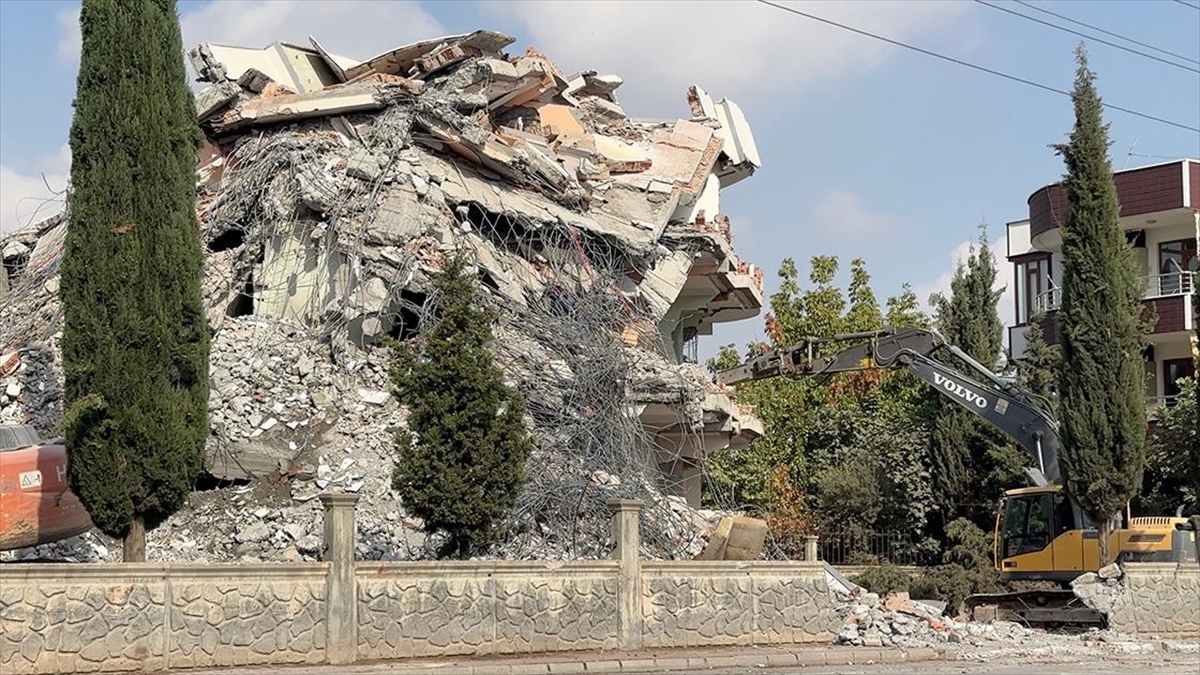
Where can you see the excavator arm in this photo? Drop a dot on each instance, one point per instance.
(1011, 410)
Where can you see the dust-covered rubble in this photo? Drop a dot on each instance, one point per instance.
(896, 620)
(330, 192)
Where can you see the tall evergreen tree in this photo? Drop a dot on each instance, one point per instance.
(970, 461)
(135, 339)
(461, 464)
(1101, 372)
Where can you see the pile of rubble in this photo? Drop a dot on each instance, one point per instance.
(896, 620)
(1099, 589)
(329, 193)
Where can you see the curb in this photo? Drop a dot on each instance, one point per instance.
(851, 656)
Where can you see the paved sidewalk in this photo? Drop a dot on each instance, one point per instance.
(640, 661)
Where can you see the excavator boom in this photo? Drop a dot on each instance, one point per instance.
(996, 400)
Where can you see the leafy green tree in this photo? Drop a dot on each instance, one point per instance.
(1172, 475)
(135, 340)
(849, 434)
(863, 314)
(904, 310)
(461, 462)
(1101, 372)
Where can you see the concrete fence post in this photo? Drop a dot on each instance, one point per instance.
(629, 586)
(810, 548)
(341, 593)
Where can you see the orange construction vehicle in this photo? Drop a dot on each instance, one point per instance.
(35, 505)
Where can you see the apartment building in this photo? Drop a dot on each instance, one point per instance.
(1160, 213)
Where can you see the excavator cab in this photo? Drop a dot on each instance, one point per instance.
(1041, 535)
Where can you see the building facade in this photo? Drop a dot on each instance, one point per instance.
(1160, 213)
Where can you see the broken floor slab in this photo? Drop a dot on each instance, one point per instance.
(324, 103)
(401, 60)
(298, 68)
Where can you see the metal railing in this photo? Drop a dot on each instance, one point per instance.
(865, 547)
(1153, 286)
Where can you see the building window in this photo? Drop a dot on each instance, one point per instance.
(1033, 286)
(1174, 369)
(1176, 260)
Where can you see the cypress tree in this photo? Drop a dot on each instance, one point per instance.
(968, 456)
(135, 340)
(461, 463)
(1101, 374)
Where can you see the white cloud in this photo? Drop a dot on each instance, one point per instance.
(737, 49)
(842, 211)
(357, 29)
(25, 198)
(1004, 279)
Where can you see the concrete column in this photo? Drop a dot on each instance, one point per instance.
(629, 586)
(341, 592)
(810, 548)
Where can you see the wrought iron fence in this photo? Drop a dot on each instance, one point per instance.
(866, 547)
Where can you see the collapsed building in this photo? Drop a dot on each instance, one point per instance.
(330, 191)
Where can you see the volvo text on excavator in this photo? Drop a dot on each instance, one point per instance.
(1040, 533)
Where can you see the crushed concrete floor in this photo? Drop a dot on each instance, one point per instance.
(329, 193)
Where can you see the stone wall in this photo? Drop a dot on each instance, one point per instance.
(687, 604)
(83, 618)
(1159, 599)
(65, 618)
(430, 609)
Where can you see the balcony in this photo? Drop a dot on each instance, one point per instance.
(1156, 287)
(1150, 197)
(1154, 404)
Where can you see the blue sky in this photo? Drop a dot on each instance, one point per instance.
(869, 150)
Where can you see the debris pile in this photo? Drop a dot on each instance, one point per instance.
(331, 190)
(1099, 589)
(897, 620)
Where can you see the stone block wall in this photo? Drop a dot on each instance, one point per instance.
(86, 618)
(689, 604)
(431, 609)
(72, 618)
(1159, 599)
(64, 618)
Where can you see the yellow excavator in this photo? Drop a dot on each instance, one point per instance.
(1040, 533)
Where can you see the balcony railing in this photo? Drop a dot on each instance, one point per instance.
(1153, 286)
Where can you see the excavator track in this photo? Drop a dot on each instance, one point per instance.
(1036, 609)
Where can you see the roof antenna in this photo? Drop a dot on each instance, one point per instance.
(1130, 153)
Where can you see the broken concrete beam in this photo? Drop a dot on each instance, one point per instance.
(589, 83)
(286, 107)
(446, 56)
(254, 80)
(208, 68)
(214, 98)
(739, 153)
(736, 538)
(606, 110)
